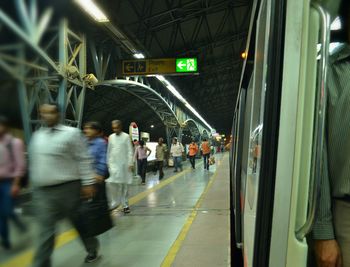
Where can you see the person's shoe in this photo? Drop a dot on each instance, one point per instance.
(92, 257)
(143, 183)
(126, 210)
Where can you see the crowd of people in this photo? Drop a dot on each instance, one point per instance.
(66, 165)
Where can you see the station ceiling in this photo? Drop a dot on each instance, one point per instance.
(214, 31)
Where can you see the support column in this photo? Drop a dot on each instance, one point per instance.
(23, 99)
(63, 61)
(82, 70)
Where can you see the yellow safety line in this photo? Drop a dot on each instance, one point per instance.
(25, 258)
(170, 257)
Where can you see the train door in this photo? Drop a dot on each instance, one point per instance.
(262, 127)
(301, 130)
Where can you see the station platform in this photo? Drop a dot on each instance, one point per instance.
(181, 221)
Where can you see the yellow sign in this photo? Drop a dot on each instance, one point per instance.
(149, 66)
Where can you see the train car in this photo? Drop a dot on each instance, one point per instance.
(278, 131)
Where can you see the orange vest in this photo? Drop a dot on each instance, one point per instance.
(193, 149)
(205, 148)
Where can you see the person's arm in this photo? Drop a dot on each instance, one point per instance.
(19, 164)
(171, 150)
(135, 154)
(182, 148)
(101, 161)
(149, 151)
(129, 153)
(83, 158)
(157, 156)
(109, 151)
(326, 247)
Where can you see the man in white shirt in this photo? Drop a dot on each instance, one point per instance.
(61, 171)
(176, 152)
(120, 164)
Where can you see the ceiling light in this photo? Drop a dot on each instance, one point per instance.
(93, 10)
(173, 90)
(244, 55)
(152, 126)
(139, 55)
(336, 24)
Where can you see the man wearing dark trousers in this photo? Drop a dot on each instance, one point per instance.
(192, 152)
(61, 173)
(161, 151)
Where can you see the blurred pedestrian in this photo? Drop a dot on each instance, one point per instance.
(161, 150)
(12, 168)
(192, 152)
(176, 152)
(120, 163)
(61, 173)
(205, 148)
(97, 149)
(142, 152)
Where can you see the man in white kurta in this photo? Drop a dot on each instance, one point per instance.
(120, 164)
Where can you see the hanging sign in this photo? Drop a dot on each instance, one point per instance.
(134, 131)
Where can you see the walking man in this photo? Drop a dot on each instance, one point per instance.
(121, 165)
(192, 152)
(205, 148)
(61, 172)
(12, 168)
(161, 151)
(176, 152)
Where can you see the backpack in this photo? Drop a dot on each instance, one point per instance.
(25, 178)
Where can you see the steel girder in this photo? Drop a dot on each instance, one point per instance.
(149, 96)
(54, 74)
(173, 117)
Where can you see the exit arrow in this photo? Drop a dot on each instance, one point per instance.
(129, 67)
(181, 65)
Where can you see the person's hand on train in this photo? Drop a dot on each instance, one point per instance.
(328, 253)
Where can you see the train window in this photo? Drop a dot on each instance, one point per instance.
(256, 124)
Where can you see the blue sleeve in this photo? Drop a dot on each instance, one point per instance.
(101, 159)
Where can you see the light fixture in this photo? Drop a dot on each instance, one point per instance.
(173, 90)
(244, 55)
(336, 24)
(152, 126)
(139, 55)
(93, 10)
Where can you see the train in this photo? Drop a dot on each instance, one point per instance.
(278, 131)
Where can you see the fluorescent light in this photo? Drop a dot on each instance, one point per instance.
(336, 24)
(139, 55)
(173, 90)
(93, 10)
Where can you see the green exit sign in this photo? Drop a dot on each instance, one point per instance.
(186, 65)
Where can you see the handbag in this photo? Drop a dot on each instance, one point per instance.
(93, 215)
(171, 162)
(212, 160)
